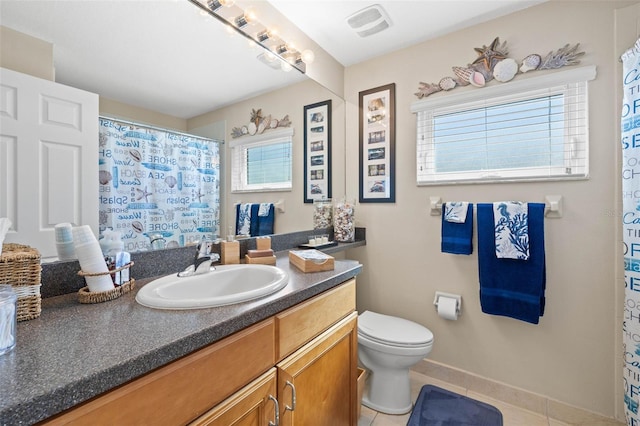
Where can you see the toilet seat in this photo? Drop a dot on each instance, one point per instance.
(392, 331)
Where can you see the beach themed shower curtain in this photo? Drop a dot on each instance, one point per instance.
(630, 131)
(157, 185)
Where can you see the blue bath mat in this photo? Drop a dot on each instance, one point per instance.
(439, 407)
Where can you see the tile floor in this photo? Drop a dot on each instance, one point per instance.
(512, 415)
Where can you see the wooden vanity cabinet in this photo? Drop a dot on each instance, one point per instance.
(309, 351)
(316, 382)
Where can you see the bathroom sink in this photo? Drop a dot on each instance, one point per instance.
(225, 285)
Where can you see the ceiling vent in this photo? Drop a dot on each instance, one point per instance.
(369, 20)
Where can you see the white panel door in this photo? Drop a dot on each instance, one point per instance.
(48, 158)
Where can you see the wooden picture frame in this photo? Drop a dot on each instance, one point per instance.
(377, 145)
(317, 151)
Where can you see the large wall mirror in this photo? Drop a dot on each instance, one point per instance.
(167, 64)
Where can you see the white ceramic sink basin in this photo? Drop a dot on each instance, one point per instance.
(225, 285)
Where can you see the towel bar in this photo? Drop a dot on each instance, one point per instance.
(552, 206)
(279, 205)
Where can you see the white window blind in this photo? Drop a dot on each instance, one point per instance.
(531, 130)
(262, 163)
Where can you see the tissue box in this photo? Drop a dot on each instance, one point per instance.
(20, 268)
(311, 260)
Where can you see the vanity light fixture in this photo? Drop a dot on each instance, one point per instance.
(281, 49)
(217, 4)
(247, 17)
(263, 36)
(242, 20)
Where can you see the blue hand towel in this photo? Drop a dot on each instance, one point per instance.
(265, 219)
(457, 238)
(512, 287)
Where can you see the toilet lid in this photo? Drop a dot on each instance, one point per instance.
(393, 330)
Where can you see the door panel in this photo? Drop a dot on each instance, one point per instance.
(49, 154)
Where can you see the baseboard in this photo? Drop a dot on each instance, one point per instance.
(511, 395)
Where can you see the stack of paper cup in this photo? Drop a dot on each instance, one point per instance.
(64, 242)
(91, 259)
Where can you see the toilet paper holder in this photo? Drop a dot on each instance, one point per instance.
(449, 295)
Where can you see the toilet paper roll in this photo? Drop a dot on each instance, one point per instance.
(447, 308)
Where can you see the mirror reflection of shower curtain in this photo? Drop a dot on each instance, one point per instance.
(630, 132)
(156, 183)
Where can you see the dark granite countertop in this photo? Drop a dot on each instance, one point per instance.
(74, 352)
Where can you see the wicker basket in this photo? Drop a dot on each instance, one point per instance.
(20, 268)
(86, 296)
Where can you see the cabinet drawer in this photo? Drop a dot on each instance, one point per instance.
(183, 390)
(300, 324)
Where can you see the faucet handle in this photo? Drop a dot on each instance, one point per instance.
(204, 247)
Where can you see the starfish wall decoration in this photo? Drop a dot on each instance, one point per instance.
(493, 63)
(259, 123)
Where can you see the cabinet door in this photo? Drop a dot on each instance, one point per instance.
(48, 158)
(317, 384)
(254, 405)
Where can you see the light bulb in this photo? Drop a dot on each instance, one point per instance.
(250, 15)
(286, 66)
(269, 56)
(307, 56)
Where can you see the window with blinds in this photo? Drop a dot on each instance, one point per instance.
(537, 130)
(262, 163)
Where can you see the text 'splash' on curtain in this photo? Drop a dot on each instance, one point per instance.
(630, 131)
(157, 182)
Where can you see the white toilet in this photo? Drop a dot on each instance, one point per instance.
(388, 346)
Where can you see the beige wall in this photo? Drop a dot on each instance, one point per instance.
(288, 101)
(571, 355)
(26, 54)
(114, 109)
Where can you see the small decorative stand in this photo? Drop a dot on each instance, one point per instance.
(86, 296)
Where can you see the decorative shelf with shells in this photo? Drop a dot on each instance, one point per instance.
(259, 123)
(493, 63)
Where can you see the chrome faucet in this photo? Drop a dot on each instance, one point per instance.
(203, 260)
